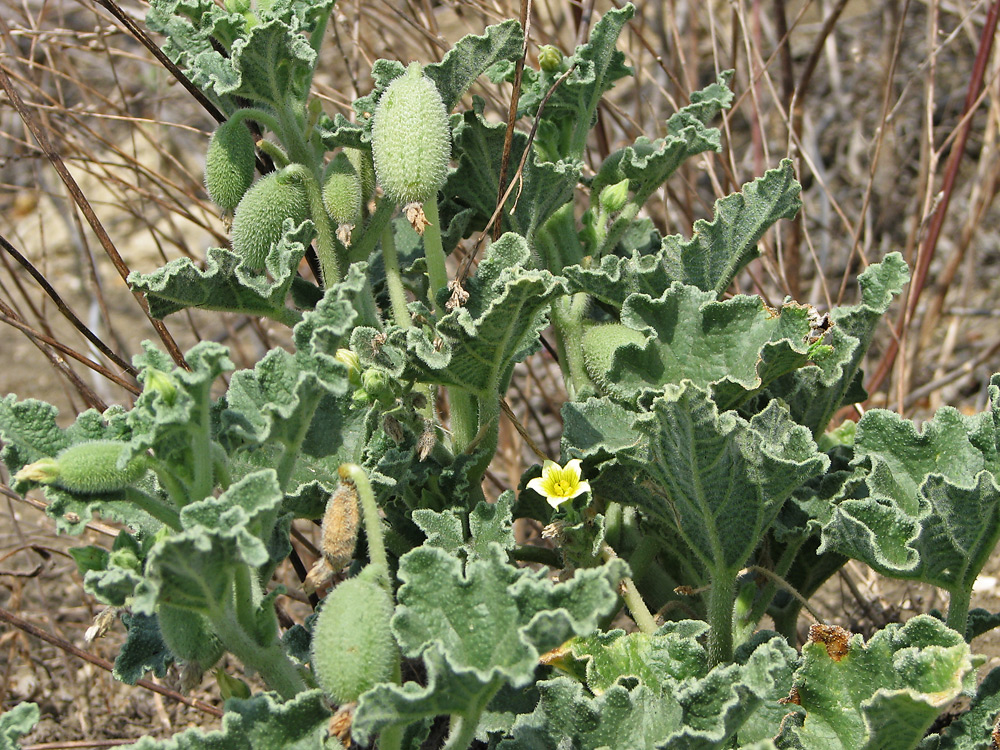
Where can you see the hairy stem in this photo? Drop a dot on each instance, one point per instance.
(721, 597)
(958, 609)
(165, 514)
(369, 509)
(332, 254)
(437, 273)
(394, 278)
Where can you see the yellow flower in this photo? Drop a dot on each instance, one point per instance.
(557, 484)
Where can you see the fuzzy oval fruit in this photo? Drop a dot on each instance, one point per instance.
(189, 635)
(411, 140)
(86, 468)
(342, 191)
(260, 216)
(599, 345)
(352, 646)
(229, 164)
(361, 160)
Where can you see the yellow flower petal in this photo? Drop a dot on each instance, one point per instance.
(559, 483)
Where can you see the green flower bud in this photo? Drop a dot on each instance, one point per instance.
(350, 360)
(159, 382)
(378, 385)
(342, 191)
(614, 197)
(189, 635)
(352, 646)
(411, 140)
(86, 468)
(549, 58)
(229, 164)
(260, 216)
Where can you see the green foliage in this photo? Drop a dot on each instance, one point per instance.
(17, 722)
(700, 421)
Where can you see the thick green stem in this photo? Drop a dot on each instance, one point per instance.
(721, 596)
(270, 661)
(266, 119)
(293, 446)
(394, 279)
(567, 317)
(165, 514)
(463, 726)
(464, 419)
(362, 247)
(203, 476)
(958, 609)
(369, 510)
(437, 273)
(633, 600)
(332, 253)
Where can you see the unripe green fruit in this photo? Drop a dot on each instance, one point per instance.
(229, 164)
(411, 140)
(361, 160)
(342, 191)
(189, 635)
(352, 646)
(86, 468)
(260, 216)
(599, 345)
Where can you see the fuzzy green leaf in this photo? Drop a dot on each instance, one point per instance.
(973, 730)
(733, 347)
(716, 478)
(490, 524)
(143, 650)
(699, 713)
(479, 628)
(226, 284)
(709, 260)
(883, 694)
(17, 722)
(648, 164)
(498, 326)
(672, 653)
(573, 105)
(478, 149)
(816, 392)
(471, 57)
(933, 507)
(260, 722)
(271, 65)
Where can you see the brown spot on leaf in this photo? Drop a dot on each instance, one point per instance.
(793, 697)
(834, 637)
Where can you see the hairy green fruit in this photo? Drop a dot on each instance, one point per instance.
(229, 164)
(599, 345)
(86, 468)
(352, 646)
(189, 635)
(342, 191)
(261, 215)
(411, 140)
(361, 160)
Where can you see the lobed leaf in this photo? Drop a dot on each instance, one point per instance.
(226, 284)
(259, 722)
(883, 694)
(716, 478)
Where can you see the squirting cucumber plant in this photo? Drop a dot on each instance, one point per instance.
(691, 491)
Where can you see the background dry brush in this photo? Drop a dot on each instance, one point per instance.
(890, 108)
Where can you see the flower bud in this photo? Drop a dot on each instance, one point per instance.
(549, 58)
(614, 197)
